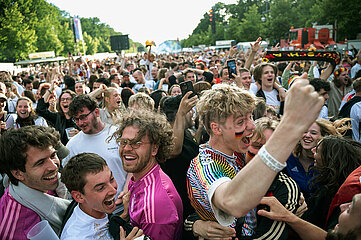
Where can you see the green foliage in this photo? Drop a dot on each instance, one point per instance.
(251, 26)
(242, 21)
(28, 26)
(17, 40)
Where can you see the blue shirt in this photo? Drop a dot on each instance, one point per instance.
(294, 170)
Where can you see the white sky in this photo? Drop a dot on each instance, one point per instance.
(155, 20)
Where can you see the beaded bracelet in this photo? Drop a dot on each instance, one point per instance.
(270, 161)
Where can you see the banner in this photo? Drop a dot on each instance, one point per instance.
(276, 56)
(77, 29)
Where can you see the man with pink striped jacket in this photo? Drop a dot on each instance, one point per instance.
(29, 159)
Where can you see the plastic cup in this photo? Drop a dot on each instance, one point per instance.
(42, 231)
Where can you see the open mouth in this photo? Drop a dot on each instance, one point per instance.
(307, 141)
(129, 157)
(52, 177)
(110, 203)
(246, 140)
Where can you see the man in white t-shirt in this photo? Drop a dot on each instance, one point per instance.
(93, 137)
(141, 82)
(91, 184)
(265, 75)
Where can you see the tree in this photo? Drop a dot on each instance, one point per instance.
(49, 40)
(91, 44)
(251, 26)
(282, 16)
(346, 13)
(17, 40)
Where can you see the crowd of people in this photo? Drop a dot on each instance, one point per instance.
(179, 146)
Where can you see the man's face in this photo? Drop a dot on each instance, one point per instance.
(96, 85)
(323, 94)
(138, 78)
(139, 160)
(29, 86)
(268, 76)
(154, 72)
(116, 79)
(114, 100)
(343, 77)
(350, 215)
(236, 132)
(191, 77)
(87, 121)
(99, 193)
(126, 79)
(41, 169)
(246, 80)
(225, 74)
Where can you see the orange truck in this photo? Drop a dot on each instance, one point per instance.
(303, 38)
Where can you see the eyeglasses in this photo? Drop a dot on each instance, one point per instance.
(65, 99)
(82, 117)
(134, 144)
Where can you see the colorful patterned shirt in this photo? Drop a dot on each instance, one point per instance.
(206, 172)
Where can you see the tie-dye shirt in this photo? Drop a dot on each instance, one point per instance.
(206, 172)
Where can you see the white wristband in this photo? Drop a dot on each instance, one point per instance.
(270, 161)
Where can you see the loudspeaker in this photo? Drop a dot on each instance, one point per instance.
(119, 42)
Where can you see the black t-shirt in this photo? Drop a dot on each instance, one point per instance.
(176, 168)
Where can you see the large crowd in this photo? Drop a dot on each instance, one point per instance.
(183, 146)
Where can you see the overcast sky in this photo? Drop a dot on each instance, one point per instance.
(156, 20)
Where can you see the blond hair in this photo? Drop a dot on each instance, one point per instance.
(261, 125)
(142, 100)
(217, 104)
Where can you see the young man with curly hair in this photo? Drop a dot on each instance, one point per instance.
(146, 139)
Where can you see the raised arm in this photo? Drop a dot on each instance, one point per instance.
(254, 49)
(185, 106)
(236, 197)
(327, 73)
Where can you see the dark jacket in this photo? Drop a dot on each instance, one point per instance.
(58, 121)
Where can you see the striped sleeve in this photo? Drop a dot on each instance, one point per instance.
(16, 220)
(288, 193)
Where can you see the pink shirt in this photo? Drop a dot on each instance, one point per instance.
(15, 219)
(155, 205)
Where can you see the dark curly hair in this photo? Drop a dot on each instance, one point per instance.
(80, 102)
(152, 124)
(14, 144)
(340, 156)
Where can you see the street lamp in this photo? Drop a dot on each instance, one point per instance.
(263, 18)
